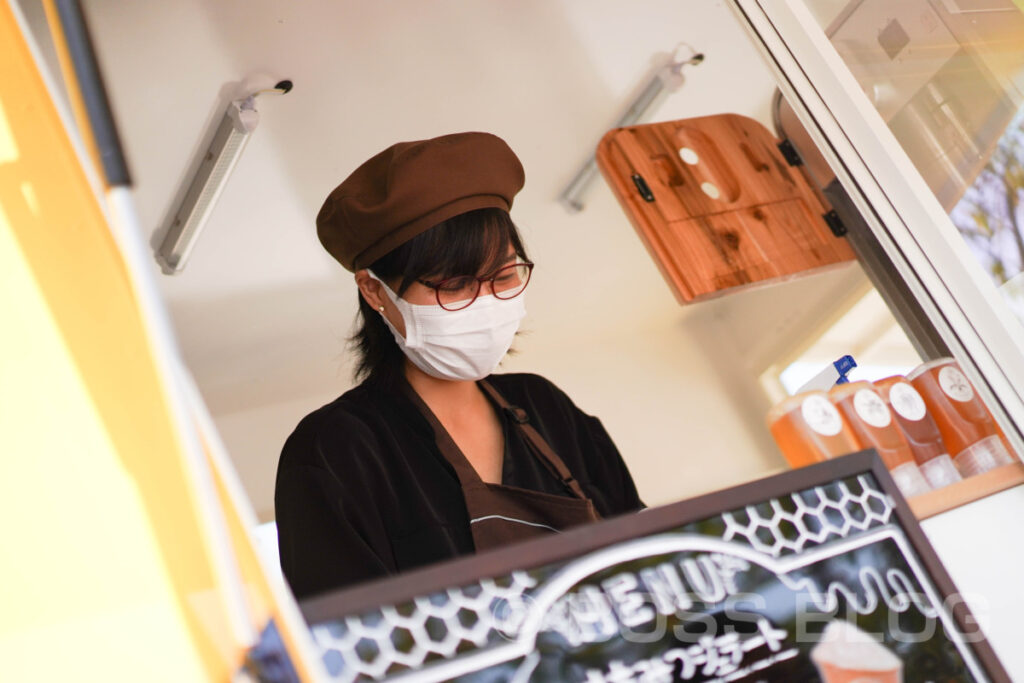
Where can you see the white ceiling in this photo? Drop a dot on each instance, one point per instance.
(261, 309)
(262, 312)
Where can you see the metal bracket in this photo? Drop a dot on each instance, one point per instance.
(789, 153)
(834, 223)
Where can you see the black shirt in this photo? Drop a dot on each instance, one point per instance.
(363, 491)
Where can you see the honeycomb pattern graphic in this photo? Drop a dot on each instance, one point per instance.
(808, 518)
(395, 639)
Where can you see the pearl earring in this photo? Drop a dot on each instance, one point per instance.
(381, 309)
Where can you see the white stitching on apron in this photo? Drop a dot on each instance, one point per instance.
(513, 519)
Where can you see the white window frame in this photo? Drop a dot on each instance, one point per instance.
(953, 289)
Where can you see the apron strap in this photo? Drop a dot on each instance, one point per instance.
(537, 444)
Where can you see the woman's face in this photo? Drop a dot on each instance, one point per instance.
(416, 293)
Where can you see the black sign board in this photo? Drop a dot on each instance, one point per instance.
(821, 573)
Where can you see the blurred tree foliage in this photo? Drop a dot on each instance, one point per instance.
(990, 216)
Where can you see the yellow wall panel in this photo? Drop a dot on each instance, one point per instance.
(105, 575)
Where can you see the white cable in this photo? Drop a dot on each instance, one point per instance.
(218, 457)
(156, 322)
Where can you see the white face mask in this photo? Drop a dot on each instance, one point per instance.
(466, 344)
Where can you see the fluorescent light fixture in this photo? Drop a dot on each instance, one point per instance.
(667, 79)
(188, 219)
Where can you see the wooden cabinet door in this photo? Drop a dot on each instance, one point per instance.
(717, 205)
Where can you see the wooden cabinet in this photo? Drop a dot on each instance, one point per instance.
(717, 205)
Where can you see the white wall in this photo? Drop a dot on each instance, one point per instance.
(985, 564)
(255, 436)
(667, 406)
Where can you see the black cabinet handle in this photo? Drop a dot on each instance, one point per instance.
(642, 188)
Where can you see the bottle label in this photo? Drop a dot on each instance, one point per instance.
(906, 402)
(871, 408)
(909, 479)
(940, 471)
(955, 384)
(821, 416)
(982, 456)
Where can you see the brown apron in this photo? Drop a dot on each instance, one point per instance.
(498, 514)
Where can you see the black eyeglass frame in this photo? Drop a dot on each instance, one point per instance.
(436, 286)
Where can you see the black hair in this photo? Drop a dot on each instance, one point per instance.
(467, 244)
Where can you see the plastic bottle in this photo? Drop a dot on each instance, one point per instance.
(809, 429)
(920, 430)
(963, 420)
(873, 426)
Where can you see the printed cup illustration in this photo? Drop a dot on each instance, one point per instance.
(920, 431)
(873, 426)
(809, 429)
(845, 654)
(966, 426)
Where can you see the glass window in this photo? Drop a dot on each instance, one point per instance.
(947, 76)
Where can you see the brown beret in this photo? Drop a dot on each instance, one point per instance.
(412, 186)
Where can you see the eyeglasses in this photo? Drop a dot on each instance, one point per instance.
(458, 292)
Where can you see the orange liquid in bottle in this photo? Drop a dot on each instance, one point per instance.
(873, 426)
(966, 426)
(919, 429)
(808, 429)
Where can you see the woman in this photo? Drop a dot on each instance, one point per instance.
(431, 456)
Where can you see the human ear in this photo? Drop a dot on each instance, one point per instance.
(370, 289)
